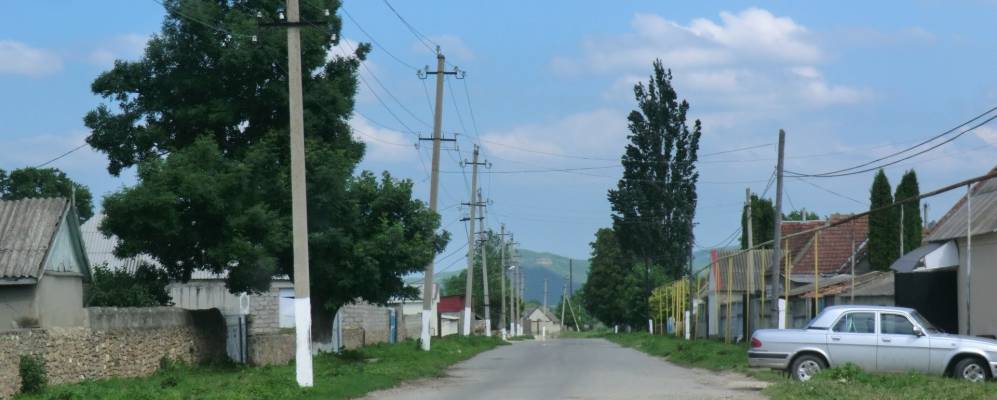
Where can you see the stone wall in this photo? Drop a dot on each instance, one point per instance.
(271, 349)
(115, 343)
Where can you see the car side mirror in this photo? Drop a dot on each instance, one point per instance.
(918, 332)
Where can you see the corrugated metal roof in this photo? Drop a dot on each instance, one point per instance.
(738, 279)
(100, 248)
(953, 224)
(27, 227)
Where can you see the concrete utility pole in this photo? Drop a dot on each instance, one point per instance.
(299, 204)
(502, 268)
(522, 297)
(564, 298)
(545, 294)
(902, 230)
(428, 292)
(484, 270)
(571, 277)
(777, 236)
(469, 282)
(751, 260)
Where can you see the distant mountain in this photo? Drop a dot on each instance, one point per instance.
(539, 265)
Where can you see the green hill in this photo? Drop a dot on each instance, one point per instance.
(539, 265)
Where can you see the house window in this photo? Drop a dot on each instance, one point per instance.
(285, 308)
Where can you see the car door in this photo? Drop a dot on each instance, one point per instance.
(852, 339)
(899, 349)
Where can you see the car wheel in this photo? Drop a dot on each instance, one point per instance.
(971, 369)
(806, 366)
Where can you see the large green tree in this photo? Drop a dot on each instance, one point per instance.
(911, 220)
(45, 182)
(203, 116)
(606, 285)
(655, 201)
(883, 225)
(762, 221)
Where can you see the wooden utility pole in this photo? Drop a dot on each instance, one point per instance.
(571, 277)
(749, 226)
(777, 236)
(503, 268)
(564, 298)
(428, 292)
(299, 203)
(469, 282)
(484, 269)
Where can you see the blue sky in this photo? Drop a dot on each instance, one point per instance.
(847, 80)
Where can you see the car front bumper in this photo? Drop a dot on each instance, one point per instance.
(764, 359)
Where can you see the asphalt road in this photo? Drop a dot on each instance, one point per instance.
(573, 369)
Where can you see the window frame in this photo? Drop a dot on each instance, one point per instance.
(875, 323)
(913, 325)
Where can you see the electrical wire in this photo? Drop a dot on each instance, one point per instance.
(844, 171)
(415, 32)
(375, 41)
(831, 191)
(73, 150)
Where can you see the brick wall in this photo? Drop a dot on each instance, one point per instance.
(115, 343)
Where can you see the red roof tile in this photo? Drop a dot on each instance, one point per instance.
(449, 304)
(834, 244)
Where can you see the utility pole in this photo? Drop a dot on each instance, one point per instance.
(545, 294)
(571, 277)
(502, 268)
(564, 298)
(522, 299)
(902, 230)
(469, 282)
(428, 292)
(751, 260)
(777, 237)
(484, 270)
(299, 203)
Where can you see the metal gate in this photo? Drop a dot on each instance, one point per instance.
(235, 338)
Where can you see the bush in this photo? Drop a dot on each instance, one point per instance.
(33, 375)
(119, 288)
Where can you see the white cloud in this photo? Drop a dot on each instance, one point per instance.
(20, 59)
(600, 132)
(987, 134)
(383, 145)
(129, 46)
(751, 58)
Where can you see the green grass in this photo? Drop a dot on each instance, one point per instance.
(848, 382)
(351, 374)
(519, 338)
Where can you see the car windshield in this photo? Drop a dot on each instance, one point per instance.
(928, 327)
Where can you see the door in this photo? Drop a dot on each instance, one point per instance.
(853, 340)
(900, 350)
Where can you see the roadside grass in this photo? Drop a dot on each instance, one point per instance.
(847, 382)
(596, 333)
(519, 338)
(348, 375)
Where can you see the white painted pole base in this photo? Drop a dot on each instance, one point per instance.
(543, 333)
(504, 333)
(688, 324)
(488, 327)
(303, 342)
(782, 313)
(467, 321)
(616, 329)
(650, 326)
(424, 336)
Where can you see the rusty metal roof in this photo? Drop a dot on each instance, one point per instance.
(27, 228)
(984, 203)
(740, 278)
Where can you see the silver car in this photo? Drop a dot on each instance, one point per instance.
(884, 339)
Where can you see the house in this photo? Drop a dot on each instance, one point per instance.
(43, 264)
(821, 259)
(734, 276)
(963, 240)
(539, 320)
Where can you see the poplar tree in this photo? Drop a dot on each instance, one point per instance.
(912, 224)
(883, 225)
(763, 221)
(655, 201)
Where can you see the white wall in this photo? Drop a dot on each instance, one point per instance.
(984, 275)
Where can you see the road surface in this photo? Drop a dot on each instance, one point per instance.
(572, 369)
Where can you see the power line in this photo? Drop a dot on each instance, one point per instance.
(415, 32)
(843, 172)
(85, 144)
(470, 108)
(373, 40)
(830, 191)
(387, 91)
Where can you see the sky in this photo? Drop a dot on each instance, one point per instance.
(548, 86)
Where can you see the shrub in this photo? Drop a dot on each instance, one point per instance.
(33, 375)
(118, 288)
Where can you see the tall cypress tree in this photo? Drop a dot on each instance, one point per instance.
(655, 200)
(912, 224)
(883, 225)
